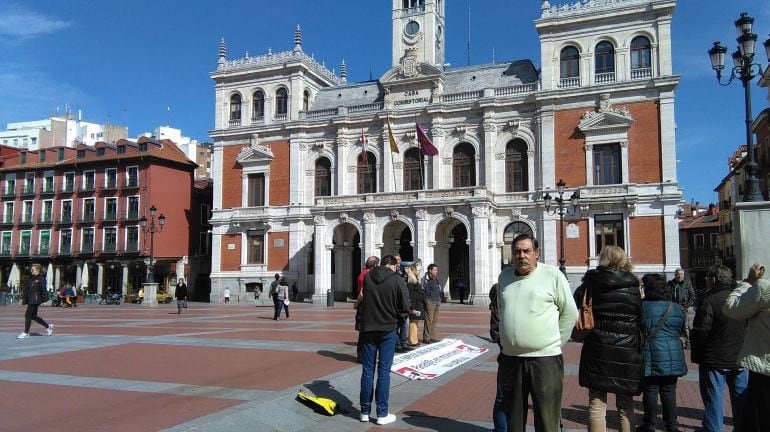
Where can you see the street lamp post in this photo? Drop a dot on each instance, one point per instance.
(744, 70)
(561, 210)
(152, 229)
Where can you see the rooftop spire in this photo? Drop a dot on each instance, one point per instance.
(222, 51)
(298, 39)
(343, 70)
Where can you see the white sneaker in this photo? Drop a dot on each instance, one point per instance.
(364, 418)
(22, 335)
(390, 418)
(49, 330)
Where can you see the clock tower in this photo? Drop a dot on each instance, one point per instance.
(418, 26)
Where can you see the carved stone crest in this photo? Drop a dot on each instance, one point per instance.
(421, 214)
(343, 217)
(409, 65)
(319, 220)
(480, 212)
(369, 217)
(394, 214)
(449, 211)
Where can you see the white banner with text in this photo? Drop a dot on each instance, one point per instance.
(430, 361)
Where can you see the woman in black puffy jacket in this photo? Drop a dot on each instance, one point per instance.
(611, 359)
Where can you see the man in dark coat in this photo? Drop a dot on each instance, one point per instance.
(716, 342)
(383, 308)
(682, 294)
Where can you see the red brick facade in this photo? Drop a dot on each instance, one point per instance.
(278, 257)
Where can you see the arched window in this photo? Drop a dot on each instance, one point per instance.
(281, 101)
(323, 177)
(641, 58)
(258, 102)
(512, 231)
(516, 178)
(367, 174)
(605, 62)
(569, 67)
(464, 166)
(235, 107)
(305, 100)
(413, 169)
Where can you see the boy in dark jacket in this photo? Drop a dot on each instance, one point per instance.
(384, 306)
(716, 342)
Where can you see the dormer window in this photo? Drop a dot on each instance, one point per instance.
(60, 154)
(100, 151)
(81, 154)
(143, 147)
(23, 157)
(41, 156)
(121, 149)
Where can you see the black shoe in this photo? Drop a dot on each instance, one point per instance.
(400, 350)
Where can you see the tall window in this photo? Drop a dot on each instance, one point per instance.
(305, 100)
(323, 177)
(132, 208)
(281, 101)
(69, 182)
(110, 208)
(511, 232)
(89, 180)
(464, 166)
(132, 239)
(607, 164)
(44, 243)
(604, 61)
(569, 67)
(10, 184)
(111, 178)
(235, 107)
(367, 174)
(87, 240)
(66, 211)
(256, 247)
(8, 213)
(27, 215)
(26, 241)
(110, 239)
(29, 183)
(258, 103)
(609, 231)
(5, 245)
(132, 176)
(516, 176)
(47, 216)
(256, 190)
(65, 241)
(641, 57)
(88, 209)
(413, 169)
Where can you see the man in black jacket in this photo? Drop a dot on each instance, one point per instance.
(716, 342)
(382, 309)
(681, 292)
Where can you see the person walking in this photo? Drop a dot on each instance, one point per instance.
(180, 293)
(432, 304)
(750, 300)
(282, 296)
(227, 295)
(610, 360)
(716, 342)
(416, 301)
(681, 293)
(383, 307)
(662, 326)
(537, 314)
(33, 295)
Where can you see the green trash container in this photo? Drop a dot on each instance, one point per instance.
(330, 298)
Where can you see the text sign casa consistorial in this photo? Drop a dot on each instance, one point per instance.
(410, 98)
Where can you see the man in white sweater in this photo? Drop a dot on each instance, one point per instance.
(537, 314)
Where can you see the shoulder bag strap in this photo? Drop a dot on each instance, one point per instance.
(660, 323)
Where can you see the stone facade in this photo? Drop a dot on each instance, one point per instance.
(295, 195)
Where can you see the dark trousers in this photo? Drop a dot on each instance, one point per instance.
(31, 315)
(652, 386)
(541, 378)
(277, 305)
(756, 411)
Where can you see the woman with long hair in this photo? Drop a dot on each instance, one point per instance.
(34, 294)
(611, 360)
(416, 298)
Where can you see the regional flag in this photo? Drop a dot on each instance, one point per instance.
(393, 146)
(363, 147)
(426, 146)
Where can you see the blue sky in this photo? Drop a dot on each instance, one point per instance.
(128, 62)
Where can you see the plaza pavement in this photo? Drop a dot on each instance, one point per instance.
(231, 367)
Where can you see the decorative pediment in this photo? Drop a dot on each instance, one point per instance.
(610, 118)
(254, 153)
(410, 71)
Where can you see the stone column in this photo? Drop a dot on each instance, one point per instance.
(480, 246)
(368, 240)
(488, 151)
(99, 277)
(421, 238)
(124, 268)
(322, 270)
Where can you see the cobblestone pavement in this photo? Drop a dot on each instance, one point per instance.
(232, 368)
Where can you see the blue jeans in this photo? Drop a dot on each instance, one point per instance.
(382, 345)
(277, 305)
(712, 384)
(403, 333)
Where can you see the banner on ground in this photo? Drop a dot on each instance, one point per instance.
(431, 361)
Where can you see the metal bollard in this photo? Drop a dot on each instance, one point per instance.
(330, 298)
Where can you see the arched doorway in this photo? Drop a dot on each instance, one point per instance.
(459, 254)
(397, 238)
(345, 261)
(512, 230)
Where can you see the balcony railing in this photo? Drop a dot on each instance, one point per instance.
(45, 220)
(65, 249)
(9, 192)
(109, 216)
(25, 220)
(257, 119)
(86, 248)
(7, 221)
(569, 82)
(234, 122)
(112, 184)
(87, 218)
(109, 248)
(47, 189)
(606, 77)
(640, 73)
(132, 247)
(23, 251)
(130, 217)
(66, 188)
(5, 252)
(42, 251)
(132, 183)
(65, 218)
(88, 187)
(28, 190)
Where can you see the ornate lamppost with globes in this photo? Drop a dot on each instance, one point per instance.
(561, 209)
(152, 228)
(745, 70)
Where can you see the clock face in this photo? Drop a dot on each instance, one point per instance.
(412, 27)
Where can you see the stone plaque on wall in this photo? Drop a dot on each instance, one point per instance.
(573, 231)
(278, 243)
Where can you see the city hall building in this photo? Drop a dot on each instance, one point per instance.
(307, 183)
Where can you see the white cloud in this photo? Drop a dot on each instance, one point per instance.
(29, 95)
(17, 22)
